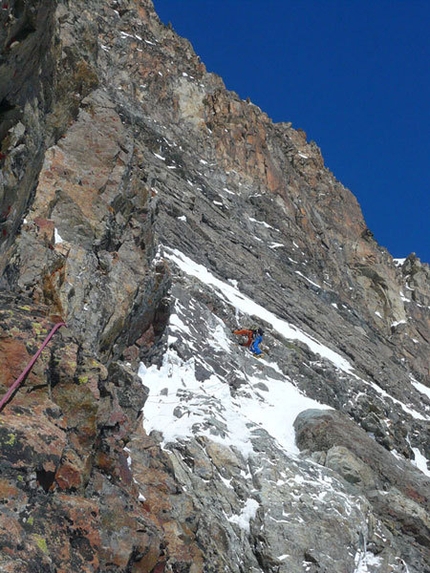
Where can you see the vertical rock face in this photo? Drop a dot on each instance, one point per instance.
(155, 212)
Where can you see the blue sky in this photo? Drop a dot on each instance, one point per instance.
(354, 74)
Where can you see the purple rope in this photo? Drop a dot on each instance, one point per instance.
(29, 366)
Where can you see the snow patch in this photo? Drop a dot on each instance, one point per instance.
(248, 512)
(309, 280)
(276, 245)
(421, 462)
(366, 562)
(420, 387)
(404, 298)
(179, 406)
(394, 324)
(263, 223)
(57, 238)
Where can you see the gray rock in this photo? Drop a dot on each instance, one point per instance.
(122, 152)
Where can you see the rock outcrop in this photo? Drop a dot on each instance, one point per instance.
(154, 212)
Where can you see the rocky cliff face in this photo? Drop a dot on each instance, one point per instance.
(154, 212)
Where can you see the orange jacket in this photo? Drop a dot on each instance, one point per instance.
(245, 332)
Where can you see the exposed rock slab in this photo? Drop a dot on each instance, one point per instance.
(120, 158)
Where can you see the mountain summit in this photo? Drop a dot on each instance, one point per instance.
(155, 212)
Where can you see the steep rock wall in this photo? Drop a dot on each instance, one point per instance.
(120, 154)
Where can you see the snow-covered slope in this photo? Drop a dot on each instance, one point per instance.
(226, 420)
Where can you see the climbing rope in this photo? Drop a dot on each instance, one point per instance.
(29, 366)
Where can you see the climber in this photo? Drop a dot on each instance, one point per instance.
(249, 332)
(255, 345)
